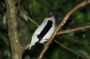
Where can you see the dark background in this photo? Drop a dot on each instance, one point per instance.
(76, 44)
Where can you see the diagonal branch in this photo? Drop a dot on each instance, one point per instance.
(73, 30)
(71, 50)
(60, 26)
(30, 19)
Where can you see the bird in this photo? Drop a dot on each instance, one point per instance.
(44, 31)
(41, 35)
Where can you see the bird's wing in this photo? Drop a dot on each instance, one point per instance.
(48, 35)
(50, 29)
(37, 32)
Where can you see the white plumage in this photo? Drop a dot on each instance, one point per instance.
(40, 31)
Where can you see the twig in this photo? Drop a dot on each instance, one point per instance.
(32, 21)
(73, 30)
(71, 50)
(60, 26)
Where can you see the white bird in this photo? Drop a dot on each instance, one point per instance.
(44, 31)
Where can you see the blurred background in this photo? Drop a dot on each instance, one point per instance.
(74, 45)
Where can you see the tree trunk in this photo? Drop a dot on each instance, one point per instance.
(12, 29)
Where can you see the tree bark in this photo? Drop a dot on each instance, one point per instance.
(12, 29)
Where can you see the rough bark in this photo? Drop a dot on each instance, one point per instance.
(12, 29)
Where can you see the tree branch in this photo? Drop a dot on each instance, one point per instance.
(30, 19)
(71, 50)
(73, 30)
(12, 29)
(60, 26)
